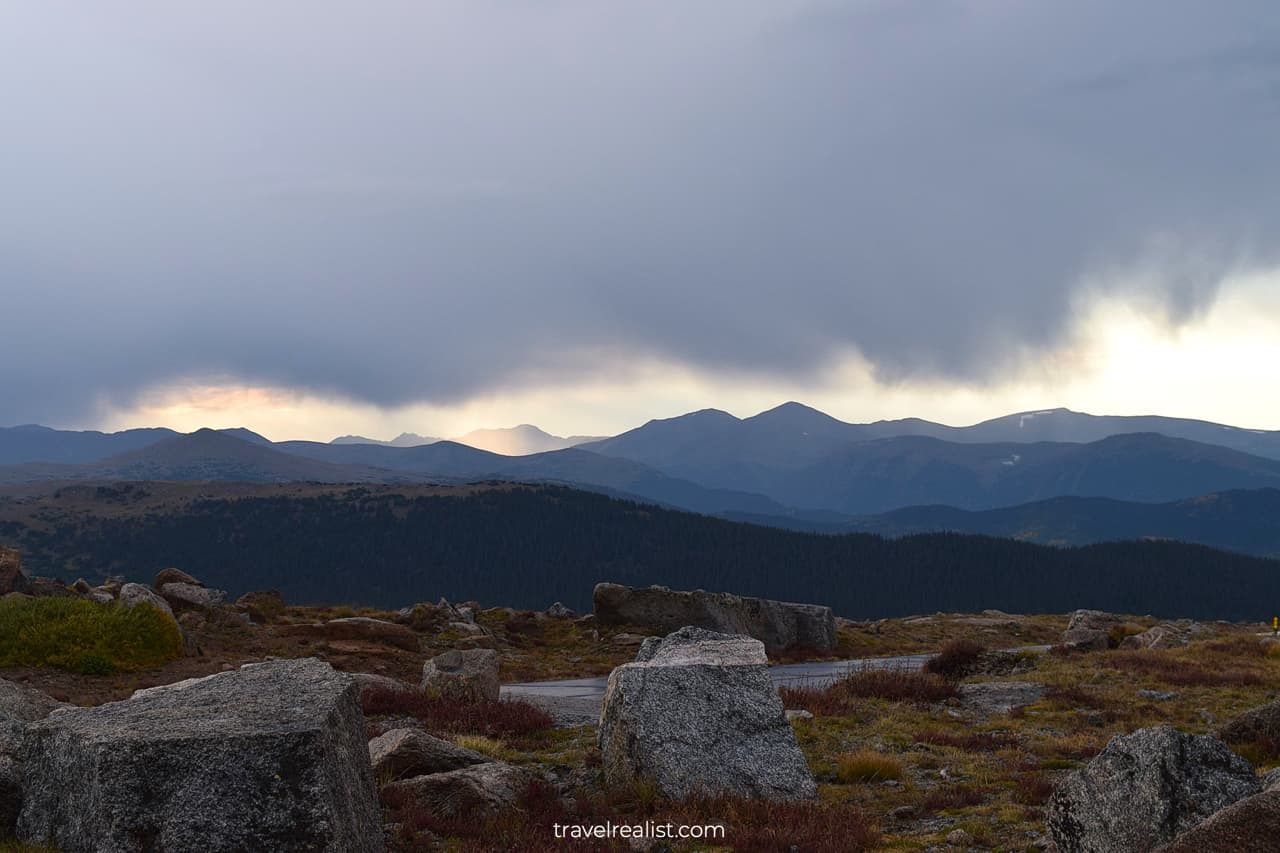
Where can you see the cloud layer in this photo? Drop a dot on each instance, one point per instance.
(398, 202)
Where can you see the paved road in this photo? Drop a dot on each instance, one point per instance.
(577, 701)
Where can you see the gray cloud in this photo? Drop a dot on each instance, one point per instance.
(399, 201)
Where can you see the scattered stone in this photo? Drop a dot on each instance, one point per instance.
(1089, 630)
(403, 753)
(171, 575)
(999, 697)
(1271, 779)
(82, 586)
(269, 757)
(628, 639)
(1246, 825)
(49, 588)
(12, 577)
(1158, 695)
(778, 624)
(1145, 789)
(472, 791)
(185, 595)
(1261, 723)
(467, 675)
(559, 611)
(467, 629)
(133, 594)
(466, 614)
(370, 630)
(959, 838)
(698, 711)
(800, 714)
(904, 813)
(1166, 635)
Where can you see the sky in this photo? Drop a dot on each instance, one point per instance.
(315, 218)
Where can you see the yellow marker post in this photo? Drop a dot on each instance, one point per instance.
(1275, 624)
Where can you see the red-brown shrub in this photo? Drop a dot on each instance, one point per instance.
(842, 695)
(504, 718)
(956, 659)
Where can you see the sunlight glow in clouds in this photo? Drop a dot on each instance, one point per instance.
(1123, 358)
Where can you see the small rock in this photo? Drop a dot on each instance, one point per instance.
(262, 605)
(627, 639)
(12, 577)
(959, 838)
(800, 714)
(403, 753)
(466, 629)
(559, 611)
(471, 791)
(165, 576)
(184, 595)
(133, 594)
(1158, 695)
(904, 813)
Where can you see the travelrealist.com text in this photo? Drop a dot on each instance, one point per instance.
(647, 830)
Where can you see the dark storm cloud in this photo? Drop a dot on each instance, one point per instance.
(404, 201)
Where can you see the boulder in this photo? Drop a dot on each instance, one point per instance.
(697, 711)
(778, 624)
(19, 706)
(10, 794)
(24, 704)
(368, 682)
(366, 629)
(1249, 824)
(1164, 636)
(133, 594)
(268, 757)
(1144, 790)
(12, 577)
(171, 575)
(403, 753)
(1261, 723)
(185, 595)
(1089, 630)
(471, 791)
(999, 697)
(559, 611)
(467, 675)
(262, 604)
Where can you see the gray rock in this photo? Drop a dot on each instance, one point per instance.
(1261, 723)
(799, 714)
(1158, 695)
(698, 711)
(189, 595)
(1271, 779)
(1251, 824)
(19, 707)
(1164, 636)
(367, 682)
(268, 757)
(24, 704)
(559, 611)
(467, 675)
(1145, 789)
(999, 697)
(10, 794)
(471, 791)
(467, 629)
(366, 629)
(1089, 630)
(403, 753)
(778, 624)
(133, 594)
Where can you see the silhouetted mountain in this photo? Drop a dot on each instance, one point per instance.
(404, 439)
(529, 546)
(203, 455)
(1242, 520)
(520, 440)
(33, 443)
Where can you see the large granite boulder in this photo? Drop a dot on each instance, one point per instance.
(268, 757)
(777, 624)
(1090, 630)
(470, 791)
(189, 596)
(12, 577)
(133, 594)
(467, 675)
(1249, 824)
(19, 707)
(402, 753)
(698, 712)
(1144, 790)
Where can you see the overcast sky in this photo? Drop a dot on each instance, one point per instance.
(315, 217)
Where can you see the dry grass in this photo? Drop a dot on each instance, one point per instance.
(1177, 670)
(956, 659)
(865, 765)
(967, 741)
(844, 695)
(503, 719)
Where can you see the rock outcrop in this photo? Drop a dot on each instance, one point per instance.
(369, 630)
(12, 577)
(1261, 723)
(1166, 635)
(1249, 824)
(697, 712)
(1090, 630)
(467, 675)
(189, 596)
(133, 594)
(403, 753)
(272, 756)
(1145, 789)
(778, 624)
(19, 707)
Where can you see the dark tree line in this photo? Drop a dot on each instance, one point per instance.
(529, 546)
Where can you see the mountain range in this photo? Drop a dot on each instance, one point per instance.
(1052, 476)
(512, 441)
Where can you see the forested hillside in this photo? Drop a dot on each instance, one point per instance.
(529, 546)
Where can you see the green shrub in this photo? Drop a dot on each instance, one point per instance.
(85, 636)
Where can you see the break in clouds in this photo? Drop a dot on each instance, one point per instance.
(403, 201)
